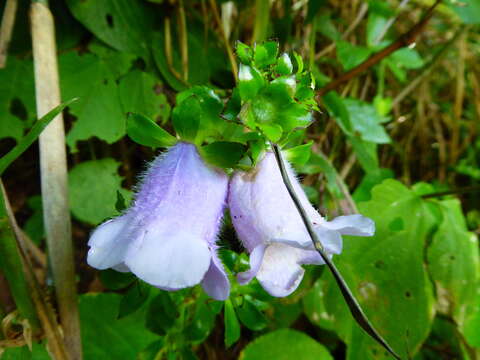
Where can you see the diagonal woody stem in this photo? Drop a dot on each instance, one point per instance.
(353, 305)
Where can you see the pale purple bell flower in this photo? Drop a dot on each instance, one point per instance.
(271, 229)
(168, 236)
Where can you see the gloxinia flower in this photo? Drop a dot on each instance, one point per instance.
(167, 237)
(271, 229)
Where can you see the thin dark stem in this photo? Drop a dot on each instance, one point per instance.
(352, 303)
(464, 190)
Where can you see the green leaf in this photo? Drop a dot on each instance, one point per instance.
(338, 110)
(272, 132)
(133, 300)
(376, 25)
(300, 154)
(203, 321)
(351, 55)
(387, 272)
(120, 204)
(274, 106)
(250, 315)
(186, 119)
(17, 97)
(234, 105)
(470, 326)
(383, 105)
(244, 53)
(452, 256)
(139, 93)
(314, 306)
(467, 10)
(104, 337)
(363, 190)
(98, 110)
(144, 131)
(38, 352)
(34, 225)
(265, 54)
(115, 280)
(161, 313)
(319, 163)
(211, 124)
(93, 187)
(285, 344)
(366, 153)
(367, 121)
(407, 58)
(250, 81)
(223, 154)
(32, 135)
(232, 326)
(125, 25)
(284, 65)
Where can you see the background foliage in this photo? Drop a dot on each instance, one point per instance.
(395, 143)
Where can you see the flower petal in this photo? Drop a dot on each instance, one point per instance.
(280, 274)
(256, 257)
(357, 225)
(169, 260)
(109, 243)
(215, 283)
(330, 239)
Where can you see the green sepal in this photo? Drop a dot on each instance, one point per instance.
(145, 131)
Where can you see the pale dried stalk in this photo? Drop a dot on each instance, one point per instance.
(6, 29)
(53, 167)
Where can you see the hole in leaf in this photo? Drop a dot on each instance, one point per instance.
(408, 294)
(109, 19)
(452, 257)
(396, 224)
(105, 81)
(380, 264)
(18, 109)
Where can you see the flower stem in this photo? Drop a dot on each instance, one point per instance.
(352, 303)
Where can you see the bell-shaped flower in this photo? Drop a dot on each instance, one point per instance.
(167, 237)
(271, 229)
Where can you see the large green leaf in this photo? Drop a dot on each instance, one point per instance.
(387, 274)
(99, 110)
(123, 24)
(285, 344)
(93, 187)
(105, 337)
(140, 92)
(453, 261)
